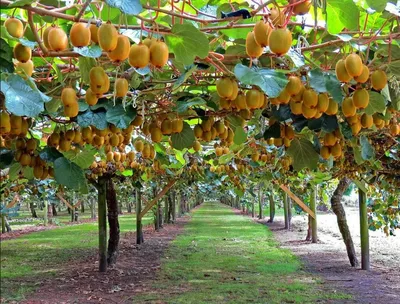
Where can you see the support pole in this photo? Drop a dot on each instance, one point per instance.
(314, 235)
(102, 210)
(3, 223)
(286, 210)
(364, 233)
(45, 213)
(139, 230)
(253, 211)
(271, 206)
(260, 202)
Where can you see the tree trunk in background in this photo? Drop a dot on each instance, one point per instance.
(129, 208)
(286, 210)
(290, 211)
(92, 209)
(309, 229)
(82, 207)
(45, 213)
(271, 207)
(338, 209)
(102, 208)
(166, 208)
(313, 221)
(139, 231)
(119, 207)
(54, 209)
(173, 206)
(33, 211)
(113, 223)
(69, 210)
(3, 223)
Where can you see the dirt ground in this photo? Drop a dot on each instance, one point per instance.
(136, 267)
(328, 258)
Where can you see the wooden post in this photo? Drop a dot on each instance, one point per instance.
(139, 230)
(102, 213)
(3, 223)
(260, 202)
(364, 233)
(285, 210)
(271, 206)
(253, 211)
(314, 234)
(173, 209)
(45, 215)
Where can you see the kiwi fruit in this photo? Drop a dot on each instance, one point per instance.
(341, 72)
(121, 51)
(14, 27)
(57, 39)
(107, 36)
(354, 65)
(378, 80)
(253, 49)
(280, 41)
(22, 53)
(261, 33)
(80, 34)
(159, 54)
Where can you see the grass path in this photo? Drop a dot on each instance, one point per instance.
(226, 258)
(42, 254)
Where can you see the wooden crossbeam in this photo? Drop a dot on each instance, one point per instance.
(13, 202)
(298, 201)
(158, 196)
(65, 201)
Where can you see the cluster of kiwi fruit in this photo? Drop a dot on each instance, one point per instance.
(163, 125)
(332, 145)
(12, 126)
(273, 32)
(209, 129)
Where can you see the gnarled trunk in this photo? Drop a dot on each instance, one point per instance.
(112, 207)
(33, 211)
(338, 209)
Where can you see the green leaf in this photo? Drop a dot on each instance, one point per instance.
(183, 140)
(226, 158)
(303, 154)
(297, 58)
(28, 43)
(357, 155)
(271, 82)
(342, 14)
(184, 76)
(53, 105)
(85, 65)
(183, 105)
(317, 80)
(187, 42)
(135, 80)
(21, 98)
(6, 56)
(83, 106)
(14, 171)
(179, 156)
(90, 118)
(333, 87)
(69, 174)
(240, 136)
(93, 51)
(129, 7)
(28, 172)
(83, 159)
(376, 104)
(360, 185)
(50, 154)
(120, 117)
(19, 3)
(377, 5)
(234, 121)
(367, 151)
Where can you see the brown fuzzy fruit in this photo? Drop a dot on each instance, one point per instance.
(394, 129)
(22, 53)
(121, 52)
(361, 98)
(323, 102)
(261, 33)
(330, 139)
(252, 99)
(294, 85)
(107, 36)
(308, 112)
(332, 108)
(68, 97)
(348, 107)
(46, 37)
(341, 71)
(72, 110)
(94, 33)
(325, 152)
(121, 87)
(5, 124)
(364, 75)
(253, 49)
(310, 98)
(177, 125)
(14, 27)
(90, 98)
(378, 80)
(302, 8)
(224, 87)
(80, 34)
(97, 77)
(280, 41)
(354, 65)
(27, 67)
(57, 39)
(156, 134)
(367, 120)
(277, 17)
(159, 54)
(296, 107)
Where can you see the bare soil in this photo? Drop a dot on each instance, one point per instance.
(328, 258)
(136, 266)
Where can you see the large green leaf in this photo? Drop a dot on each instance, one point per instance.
(93, 51)
(129, 7)
(83, 159)
(184, 139)
(120, 117)
(85, 65)
(333, 87)
(21, 98)
(342, 14)
(6, 56)
(303, 154)
(184, 76)
(19, 3)
(183, 105)
(90, 118)
(270, 81)
(240, 136)
(377, 5)
(187, 42)
(367, 151)
(317, 80)
(14, 171)
(376, 104)
(50, 154)
(6, 157)
(69, 174)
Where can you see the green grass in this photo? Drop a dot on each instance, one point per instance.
(226, 258)
(43, 254)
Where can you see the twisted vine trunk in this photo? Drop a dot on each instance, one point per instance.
(112, 207)
(338, 209)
